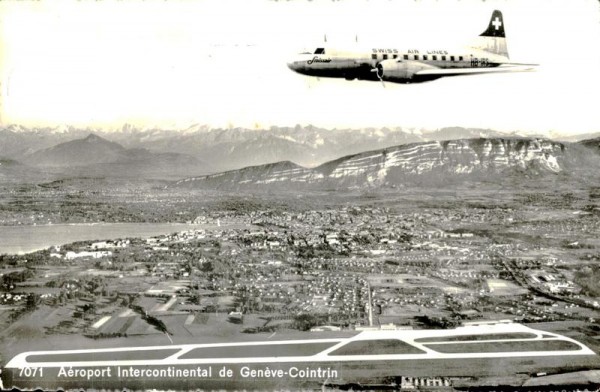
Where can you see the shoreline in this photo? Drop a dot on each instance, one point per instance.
(24, 239)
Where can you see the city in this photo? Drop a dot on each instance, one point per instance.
(379, 263)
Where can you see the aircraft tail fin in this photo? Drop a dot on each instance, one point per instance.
(493, 39)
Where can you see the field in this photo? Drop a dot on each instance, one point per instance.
(499, 347)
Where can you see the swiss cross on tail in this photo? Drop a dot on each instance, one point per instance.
(496, 26)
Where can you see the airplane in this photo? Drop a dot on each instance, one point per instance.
(486, 54)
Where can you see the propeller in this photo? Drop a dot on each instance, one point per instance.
(379, 72)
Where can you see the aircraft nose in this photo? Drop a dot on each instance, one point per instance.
(297, 64)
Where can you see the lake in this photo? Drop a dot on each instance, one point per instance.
(25, 239)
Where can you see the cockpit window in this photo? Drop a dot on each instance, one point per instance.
(320, 51)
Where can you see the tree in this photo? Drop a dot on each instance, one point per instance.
(206, 266)
(305, 321)
(32, 302)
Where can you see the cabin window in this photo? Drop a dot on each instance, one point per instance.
(451, 58)
(434, 58)
(425, 57)
(460, 58)
(443, 58)
(395, 56)
(405, 57)
(320, 51)
(385, 56)
(416, 56)
(374, 56)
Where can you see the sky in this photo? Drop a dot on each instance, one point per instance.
(222, 63)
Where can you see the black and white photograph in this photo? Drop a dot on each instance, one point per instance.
(284, 195)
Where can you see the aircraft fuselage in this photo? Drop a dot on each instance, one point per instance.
(363, 65)
(487, 53)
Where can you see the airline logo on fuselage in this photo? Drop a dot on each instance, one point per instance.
(410, 51)
(392, 51)
(317, 59)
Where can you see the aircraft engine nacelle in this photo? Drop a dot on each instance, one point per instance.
(400, 70)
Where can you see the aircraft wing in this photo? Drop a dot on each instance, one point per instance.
(475, 71)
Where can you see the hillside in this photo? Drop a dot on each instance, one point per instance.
(593, 144)
(88, 151)
(12, 171)
(428, 163)
(96, 156)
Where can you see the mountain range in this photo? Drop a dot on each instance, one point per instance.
(234, 148)
(257, 156)
(96, 156)
(426, 163)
